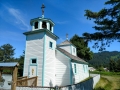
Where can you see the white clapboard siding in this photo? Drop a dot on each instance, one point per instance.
(66, 48)
(49, 73)
(81, 73)
(62, 69)
(34, 49)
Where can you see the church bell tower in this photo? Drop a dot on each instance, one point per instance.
(40, 50)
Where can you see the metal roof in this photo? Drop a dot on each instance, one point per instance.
(9, 64)
(66, 42)
(74, 58)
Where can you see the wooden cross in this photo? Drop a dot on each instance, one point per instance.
(43, 6)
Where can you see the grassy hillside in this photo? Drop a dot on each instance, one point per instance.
(103, 58)
(108, 83)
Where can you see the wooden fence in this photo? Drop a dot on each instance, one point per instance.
(20, 78)
(27, 81)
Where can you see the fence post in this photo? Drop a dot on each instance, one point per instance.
(56, 88)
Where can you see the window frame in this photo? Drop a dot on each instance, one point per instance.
(75, 68)
(31, 63)
(51, 45)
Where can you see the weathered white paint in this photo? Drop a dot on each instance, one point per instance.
(49, 74)
(66, 48)
(34, 49)
(62, 69)
(48, 25)
(81, 72)
(40, 25)
(52, 29)
(8, 79)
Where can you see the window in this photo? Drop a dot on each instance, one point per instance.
(36, 25)
(50, 44)
(74, 50)
(50, 27)
(44, 25)
(84, 68)
(75, 71)
(34, 61)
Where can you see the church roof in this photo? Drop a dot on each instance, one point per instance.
(40, 30)
(74, 58)
(66, 42)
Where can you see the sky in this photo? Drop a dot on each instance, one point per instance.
(68, 16)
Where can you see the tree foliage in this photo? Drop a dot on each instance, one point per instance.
(82, 48)
(107, 22)
(103, 58)
(21, 64)
(6, 52)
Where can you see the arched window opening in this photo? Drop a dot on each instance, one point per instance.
(50, 27)
(36, 25)
(44, 25)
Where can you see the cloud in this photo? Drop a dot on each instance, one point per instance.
(14, 16)
(62, 22)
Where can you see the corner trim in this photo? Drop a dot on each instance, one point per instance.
(70, 72)
(25, 57)
(44, 58)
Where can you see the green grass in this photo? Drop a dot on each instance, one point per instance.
(103, 84)
(108, 81)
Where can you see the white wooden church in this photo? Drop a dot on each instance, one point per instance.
(53, 64)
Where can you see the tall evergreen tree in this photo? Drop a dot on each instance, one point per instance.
(107, 22)
(112, 65)
(82, 48)
(6, 52)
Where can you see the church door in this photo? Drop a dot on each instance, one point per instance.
(33, 68)
(33, 71)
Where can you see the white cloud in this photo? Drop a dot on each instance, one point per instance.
(62, 22)
(15, 17)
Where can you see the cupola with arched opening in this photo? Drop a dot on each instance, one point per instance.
(42, 23)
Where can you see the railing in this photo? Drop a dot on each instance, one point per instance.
(20, 78)
(85, 85)
(27, 82)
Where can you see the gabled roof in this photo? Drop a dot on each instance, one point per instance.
(66, 42)
(74, 58)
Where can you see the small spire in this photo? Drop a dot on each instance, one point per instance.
(66, 36)
(43, 6)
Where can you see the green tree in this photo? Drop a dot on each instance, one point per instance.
(107, 22)
(112, 65)
(6, 52)
(82, 48)
(21, 64)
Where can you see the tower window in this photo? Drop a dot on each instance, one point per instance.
(34, 61)
(50, 44)
(50, 27)
(44, 25)
(36, 25)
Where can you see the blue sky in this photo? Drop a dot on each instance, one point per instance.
(68, 16)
